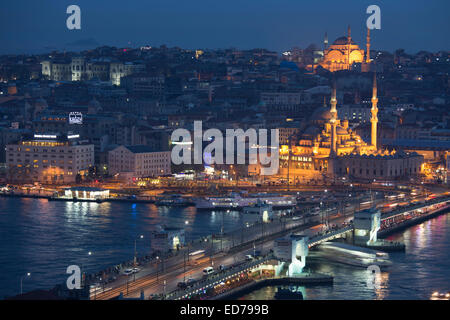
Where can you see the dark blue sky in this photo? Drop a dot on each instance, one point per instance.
(28, 26)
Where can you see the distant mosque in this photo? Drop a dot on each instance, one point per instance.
(328, 149)
(344, 52)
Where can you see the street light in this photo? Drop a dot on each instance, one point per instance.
(157, 269)
(21, 280)
(81, 268)
(135, 240)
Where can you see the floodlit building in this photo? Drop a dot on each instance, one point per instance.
(49, 158)
(344, 52)
(139, 161)
(328, 148)
(86, 193)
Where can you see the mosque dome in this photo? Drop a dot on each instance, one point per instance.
(321, 114)
(311, 131)
(342, 41)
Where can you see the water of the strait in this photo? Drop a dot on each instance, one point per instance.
(415, 274)
(43, 237)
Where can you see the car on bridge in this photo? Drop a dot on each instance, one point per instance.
(136, 270)
(190, 282)
(207, 271)
(128, 272)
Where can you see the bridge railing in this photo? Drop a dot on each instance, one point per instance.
(327, 236)
(402, 210)
(215, 279)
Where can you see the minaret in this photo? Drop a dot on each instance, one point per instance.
(349, 41)
(325, 42)
(368, 46)
(374, 111)
(333, 119)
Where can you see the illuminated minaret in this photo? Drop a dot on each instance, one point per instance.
(368, 46)
(325, 42)
(333, 119)
(349, 41)
(374, 111)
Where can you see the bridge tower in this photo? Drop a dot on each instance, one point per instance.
(292, 250)
(366, 224)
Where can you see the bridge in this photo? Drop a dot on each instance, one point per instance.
(213, 280)
(386, 219)
(331, 235)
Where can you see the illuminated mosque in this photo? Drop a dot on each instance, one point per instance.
(344, 52)
(327, 149)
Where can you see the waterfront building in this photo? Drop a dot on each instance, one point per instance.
(138, 161)
(49, 158)
(86, 193)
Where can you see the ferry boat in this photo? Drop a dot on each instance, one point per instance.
(275, 200)
(217, 203)
(237, 202)
(173, 200)
(354, 256)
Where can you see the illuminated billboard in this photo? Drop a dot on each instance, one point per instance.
(75, 118)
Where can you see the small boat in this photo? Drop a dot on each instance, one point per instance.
(291, 293)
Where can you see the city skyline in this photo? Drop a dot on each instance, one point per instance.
(42, 27)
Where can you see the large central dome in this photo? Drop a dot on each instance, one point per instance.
(342, 41)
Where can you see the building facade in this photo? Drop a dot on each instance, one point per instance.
(344, 52)
(328, 149)
(140, 161)
(49, 158)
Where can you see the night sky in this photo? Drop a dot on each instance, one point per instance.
(36, 26)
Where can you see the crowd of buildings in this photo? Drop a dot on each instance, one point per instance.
(342, 112)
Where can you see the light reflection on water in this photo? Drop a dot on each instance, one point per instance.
(45, 237)
(422, 269)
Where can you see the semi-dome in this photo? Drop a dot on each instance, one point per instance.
(341, 131)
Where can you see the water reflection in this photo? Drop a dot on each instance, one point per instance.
(415, 274)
